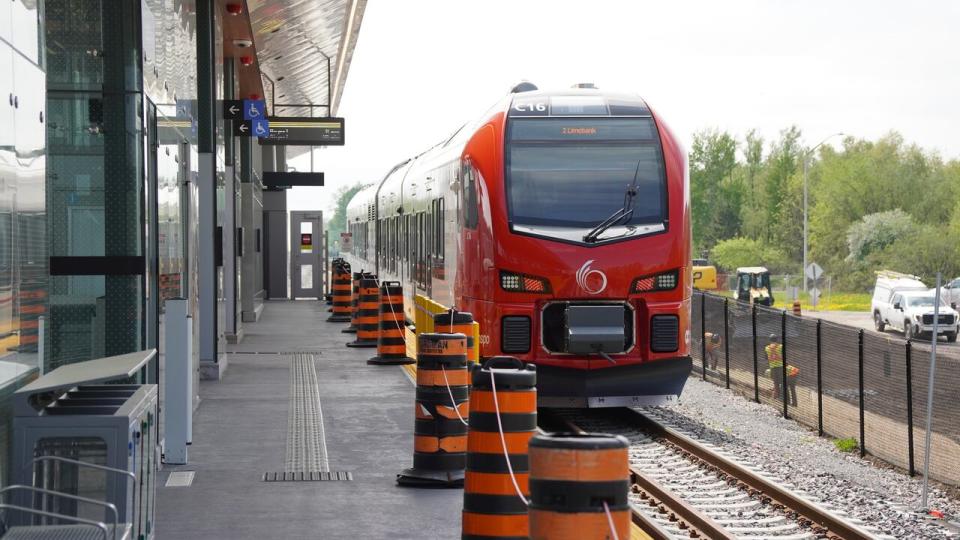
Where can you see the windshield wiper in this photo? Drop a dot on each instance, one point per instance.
(620, 216)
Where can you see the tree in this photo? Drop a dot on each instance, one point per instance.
(338, 223)
(874, 232)
(712, 159)
(736, 252)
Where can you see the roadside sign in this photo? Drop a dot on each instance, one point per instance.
(232, 109)
(346, 241)
(254, 109)
(814, 271)
(814, 296)
(304, 131)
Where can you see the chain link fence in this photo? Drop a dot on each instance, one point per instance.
(842, 381)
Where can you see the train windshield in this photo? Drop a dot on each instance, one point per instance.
(567, 175)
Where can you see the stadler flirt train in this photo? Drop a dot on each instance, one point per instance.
(561, 221)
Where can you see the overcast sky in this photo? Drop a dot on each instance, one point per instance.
(423, 67)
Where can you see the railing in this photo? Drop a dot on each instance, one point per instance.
(844, 382)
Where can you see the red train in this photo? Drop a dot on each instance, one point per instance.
(561, 221)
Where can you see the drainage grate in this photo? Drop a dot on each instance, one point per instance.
(308, 476)
(306, 446)
(180, 479)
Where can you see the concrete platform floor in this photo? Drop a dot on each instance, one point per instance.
(240, 433)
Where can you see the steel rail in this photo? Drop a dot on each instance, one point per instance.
(688, 518)
(817, 516)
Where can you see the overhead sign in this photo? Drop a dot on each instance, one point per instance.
(254, 109)
(300, 131)
(814, 271)
(283, 180)
(232, 109)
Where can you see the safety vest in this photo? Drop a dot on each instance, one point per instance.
(774, 355)
(711, 344)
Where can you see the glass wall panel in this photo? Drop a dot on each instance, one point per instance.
(23, 249)
(95, 196)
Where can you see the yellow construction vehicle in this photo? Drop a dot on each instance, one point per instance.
(704, 275)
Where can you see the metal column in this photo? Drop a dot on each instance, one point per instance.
(207, 195)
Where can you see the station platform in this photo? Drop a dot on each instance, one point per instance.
(252, 423)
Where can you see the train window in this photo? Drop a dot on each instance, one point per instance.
(469, 197)
(571, 174)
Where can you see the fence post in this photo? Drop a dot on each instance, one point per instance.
(783, 370)
(863, 446)
(819, 380)
(726, 339)
(703, 334)
(909, 352)
(756, 374)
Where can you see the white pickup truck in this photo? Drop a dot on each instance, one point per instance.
(911, 312)
(905, 303)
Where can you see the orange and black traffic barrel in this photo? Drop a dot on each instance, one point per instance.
(572, 477)
(354, 300)
(368, 314)
(440, 437)
(457, 321)
(492, 508)
(391, 346)
(341, 292)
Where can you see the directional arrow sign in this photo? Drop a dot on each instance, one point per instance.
(242, 128)
(232, 109)
(814, 271)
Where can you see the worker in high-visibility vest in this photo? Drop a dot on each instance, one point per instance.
(713, 342)
(775, 364)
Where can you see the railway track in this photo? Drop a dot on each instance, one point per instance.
(682, 488)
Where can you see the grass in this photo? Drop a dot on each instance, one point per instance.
(848, 444)
(836, 301)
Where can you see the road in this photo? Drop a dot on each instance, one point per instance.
(863, 319)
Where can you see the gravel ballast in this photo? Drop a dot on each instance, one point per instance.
(881, 496)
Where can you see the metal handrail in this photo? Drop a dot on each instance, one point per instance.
(99, 524)
(105, 504)
(82, 464)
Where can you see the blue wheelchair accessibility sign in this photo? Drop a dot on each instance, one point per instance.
(260, 127)
(254, 109)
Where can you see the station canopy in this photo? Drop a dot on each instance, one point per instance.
(296, 43)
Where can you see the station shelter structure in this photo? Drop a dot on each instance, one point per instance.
(124, 183)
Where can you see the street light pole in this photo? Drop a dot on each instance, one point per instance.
(803, 270)
(806, 159)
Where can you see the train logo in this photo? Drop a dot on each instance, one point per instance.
(590, 280)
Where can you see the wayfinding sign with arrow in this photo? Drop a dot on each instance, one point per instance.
(232, 109)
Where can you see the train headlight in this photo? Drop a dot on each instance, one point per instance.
(514, 282)
(658, 282)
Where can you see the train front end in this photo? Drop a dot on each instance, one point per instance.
(589, 276)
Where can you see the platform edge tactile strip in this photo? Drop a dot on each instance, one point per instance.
(306, 448)
(308, 476)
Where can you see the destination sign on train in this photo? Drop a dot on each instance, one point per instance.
(300, 131)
